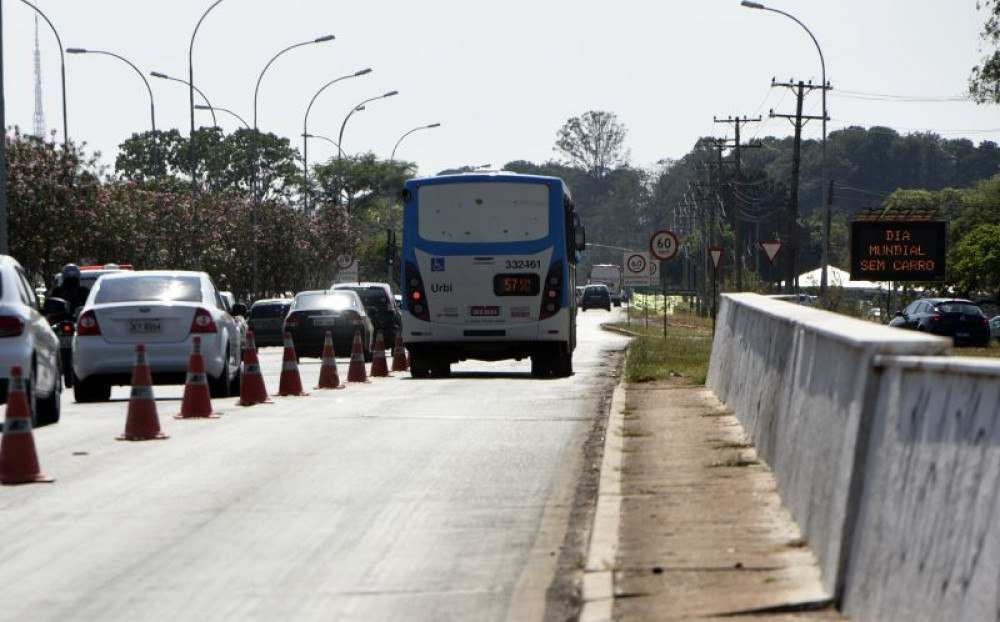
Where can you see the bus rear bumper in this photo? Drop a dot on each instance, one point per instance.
(485, 342)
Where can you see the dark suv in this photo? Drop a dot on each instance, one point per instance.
(596, 297)
(959, 319)
(380, 306)
(267, 319)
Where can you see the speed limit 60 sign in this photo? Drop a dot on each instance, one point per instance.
(663, 245)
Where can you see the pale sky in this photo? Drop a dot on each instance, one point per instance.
(500, 77)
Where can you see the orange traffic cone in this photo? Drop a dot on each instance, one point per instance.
(252, 389)
(329, 377)
(356, 371)
(197, 402)
(291, 382)
(18, 460)
(399, 360)
(142, 422)
(379, 367)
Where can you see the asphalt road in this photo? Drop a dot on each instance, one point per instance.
(399, 499)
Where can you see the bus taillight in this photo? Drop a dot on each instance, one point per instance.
(416, 297)
(552, 300)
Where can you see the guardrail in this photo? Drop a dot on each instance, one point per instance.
(886, 453)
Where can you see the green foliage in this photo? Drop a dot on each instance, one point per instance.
(61, 211)
(224, 162)
(975, 260)
(984, 80)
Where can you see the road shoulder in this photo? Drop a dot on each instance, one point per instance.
(702, 531)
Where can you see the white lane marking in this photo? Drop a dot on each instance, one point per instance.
(599, 574)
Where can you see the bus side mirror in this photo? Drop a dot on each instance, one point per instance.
(580, 238)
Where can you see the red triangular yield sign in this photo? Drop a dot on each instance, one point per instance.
(771, 249)
(716, 253)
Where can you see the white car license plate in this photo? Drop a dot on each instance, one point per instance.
(324, 321)
(143, 327)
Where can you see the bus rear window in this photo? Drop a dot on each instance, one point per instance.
(483, 212)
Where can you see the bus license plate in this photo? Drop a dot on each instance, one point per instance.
(484, 311)
(144, 327)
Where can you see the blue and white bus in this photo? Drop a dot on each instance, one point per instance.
(489, 271)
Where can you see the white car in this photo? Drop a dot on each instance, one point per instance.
(27, 341)
(164, 310)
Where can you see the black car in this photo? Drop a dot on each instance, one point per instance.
(959, 319)
(596, 297)
(312, 314)
(380, 306)
(267, 319)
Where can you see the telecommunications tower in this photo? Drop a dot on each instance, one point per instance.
(39, 129)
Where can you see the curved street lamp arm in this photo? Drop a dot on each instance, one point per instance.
(62, 66)
(231, 113)
(416, 129)
(152, 108)
(208, 105)
(326, 138)
(256, 88)
(305, 120)
(340, 136)
(822, 61)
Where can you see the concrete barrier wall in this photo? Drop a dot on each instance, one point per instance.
(799, 380)
(926, 542)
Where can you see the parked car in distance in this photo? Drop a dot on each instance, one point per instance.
(380, 306)
(579, 293)
(341, 312)
(267, 320)
(165, 310)
(27, 341)
(596, 297)
(995, 327)
(960, 319)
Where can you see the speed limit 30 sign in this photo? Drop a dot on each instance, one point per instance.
(663, 245)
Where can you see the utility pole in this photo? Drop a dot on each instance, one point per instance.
(798, 120)
(738, 254)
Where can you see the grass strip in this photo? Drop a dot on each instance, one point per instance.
(682, 355)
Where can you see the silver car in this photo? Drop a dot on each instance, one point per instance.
(995, 327)
(164, 310)
(27, 341)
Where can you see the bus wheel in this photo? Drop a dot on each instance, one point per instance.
(563, 362)
(419, 366)
(541, 365)
(440, 369)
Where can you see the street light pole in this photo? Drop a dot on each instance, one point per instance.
(226, 110)
(340, 137)
(254, 138)
(392, 158)
(149, 89)
(208, 104)
(305, 130)
(62, 71)
(192, 160)
(825, 254)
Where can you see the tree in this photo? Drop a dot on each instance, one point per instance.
(976, 261)
(984, 81)
(49, 193)
(359, 181)
(594, 142)
(225, 161)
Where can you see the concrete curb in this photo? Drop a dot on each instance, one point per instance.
(599, 574)
(620, 331)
